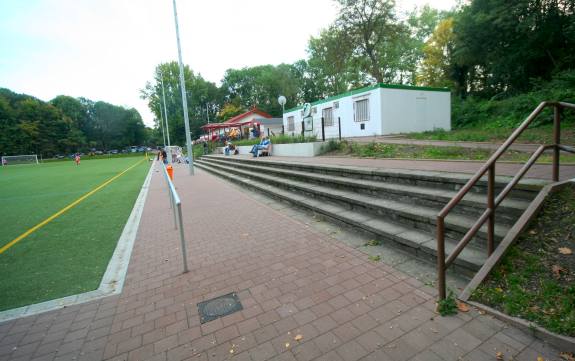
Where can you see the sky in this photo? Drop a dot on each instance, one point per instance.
(107, 49)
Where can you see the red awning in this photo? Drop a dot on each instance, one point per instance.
(214, 126)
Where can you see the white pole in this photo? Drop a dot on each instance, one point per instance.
(169, 150)
(162, 125)
(184, 98)
(165, 110)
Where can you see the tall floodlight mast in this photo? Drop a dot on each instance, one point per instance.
(162, 124)
(184, 98)
(169, 149)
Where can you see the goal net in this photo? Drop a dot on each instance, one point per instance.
(19, 159)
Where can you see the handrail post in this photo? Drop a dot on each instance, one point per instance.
(182, 238)
(491, 206)
(556, 140)
(441, 258)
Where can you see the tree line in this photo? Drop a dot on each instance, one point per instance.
(481, 50)
(65, 125)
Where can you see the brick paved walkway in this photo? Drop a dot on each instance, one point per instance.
(290, 279)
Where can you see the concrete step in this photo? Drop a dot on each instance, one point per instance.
(418, 242)
(473, 204)
(420, 217)
(526, 189)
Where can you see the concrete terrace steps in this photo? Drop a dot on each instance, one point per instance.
(472, 204)
(420, 243)
(526, 189)
(420, 217)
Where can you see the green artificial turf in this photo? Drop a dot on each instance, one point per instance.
(70, 254)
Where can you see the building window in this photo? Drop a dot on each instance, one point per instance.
(336, 105)
(314, 110)
(361, 110)
(327, 114)
(291, 126)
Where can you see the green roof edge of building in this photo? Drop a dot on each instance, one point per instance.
(368, 88)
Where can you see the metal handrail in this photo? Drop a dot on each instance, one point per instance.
(493, 202)
(176, 205)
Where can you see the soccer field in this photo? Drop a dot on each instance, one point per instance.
(69, 254)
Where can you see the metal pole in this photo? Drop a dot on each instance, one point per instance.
(184, 98)
(162, 125)
(165, 109)
(441, 258)
(339, 127)
(556, 140)
(491, 206)
(322, 130)
(182, 239)
(169, 150)
(302, 128)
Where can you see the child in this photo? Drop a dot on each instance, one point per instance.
(77, 158)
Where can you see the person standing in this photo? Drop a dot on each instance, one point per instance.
(77, 159)
(164, 156)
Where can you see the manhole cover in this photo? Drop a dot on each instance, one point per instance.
(219, 307)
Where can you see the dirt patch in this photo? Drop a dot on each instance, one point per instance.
(536, 278)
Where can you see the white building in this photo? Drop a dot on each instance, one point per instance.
(376, 110)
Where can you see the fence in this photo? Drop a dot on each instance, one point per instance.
(176, 206)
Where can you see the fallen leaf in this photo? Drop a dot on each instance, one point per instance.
(532, 231)
(557, 270)
(298, 337)
(287, 344)
(462, 307)
(565, 251)
(499, 356)
(539, 358)
(232, 350)
(567, 356)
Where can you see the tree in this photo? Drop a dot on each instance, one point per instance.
(379, 40)
(436, 67)
(330, 64)
(230, 110)
(201, 95)
(260, 86)
(502, 45)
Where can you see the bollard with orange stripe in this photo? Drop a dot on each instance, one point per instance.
(170, 171)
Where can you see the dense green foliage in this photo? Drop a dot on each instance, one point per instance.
(65, 125)
(203, 97)
(499, 58)
(70, 254)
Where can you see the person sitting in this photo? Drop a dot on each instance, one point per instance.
(229, 147)
(264, 145)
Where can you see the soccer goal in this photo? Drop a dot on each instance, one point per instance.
(19, 159)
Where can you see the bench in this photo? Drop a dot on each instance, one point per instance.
(267, 151)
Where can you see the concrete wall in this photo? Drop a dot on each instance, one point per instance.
(405, 111)
(284, 150)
